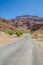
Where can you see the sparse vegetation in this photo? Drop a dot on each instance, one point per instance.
(18, 32)
(11, 32)
(5, 30)
(31, 32)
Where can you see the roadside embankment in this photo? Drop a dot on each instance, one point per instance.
(4, 38)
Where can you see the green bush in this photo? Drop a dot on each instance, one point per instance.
(18, 32)
(31, 32)
(11, 32)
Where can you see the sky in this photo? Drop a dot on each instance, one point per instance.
(12, 8)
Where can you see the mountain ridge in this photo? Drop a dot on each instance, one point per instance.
(24, 22)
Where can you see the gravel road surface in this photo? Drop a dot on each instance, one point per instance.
(22, 52)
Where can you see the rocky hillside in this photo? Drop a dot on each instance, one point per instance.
(25, 23)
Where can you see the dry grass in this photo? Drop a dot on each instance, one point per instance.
(38, 35)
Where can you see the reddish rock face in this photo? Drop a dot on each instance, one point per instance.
(25, 22)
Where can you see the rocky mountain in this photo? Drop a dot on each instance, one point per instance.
(25, 23)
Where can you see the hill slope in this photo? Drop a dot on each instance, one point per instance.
(25, 23)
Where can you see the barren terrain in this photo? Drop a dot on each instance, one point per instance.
(4, 38)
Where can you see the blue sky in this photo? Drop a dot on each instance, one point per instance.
(12, 8)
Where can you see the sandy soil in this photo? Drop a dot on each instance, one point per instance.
(4, 38)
